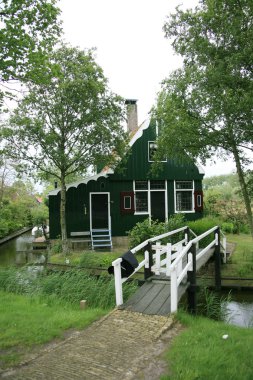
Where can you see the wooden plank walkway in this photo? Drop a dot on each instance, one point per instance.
(153, 297)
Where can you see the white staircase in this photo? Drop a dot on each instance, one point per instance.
(101, 237)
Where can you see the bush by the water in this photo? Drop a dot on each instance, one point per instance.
(70, 287)
(202, 225)
(147, 229)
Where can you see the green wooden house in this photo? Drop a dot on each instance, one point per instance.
(110, 203)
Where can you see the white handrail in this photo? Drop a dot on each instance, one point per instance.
(200, 237)
(151, 240)
(183, 252)
(174, 269)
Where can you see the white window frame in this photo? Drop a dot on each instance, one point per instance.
(130, 202)
(175, 197)
(152, 142)
(148, 190)
(199, 200)
(148, 197)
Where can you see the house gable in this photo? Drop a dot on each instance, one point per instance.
(138, 163)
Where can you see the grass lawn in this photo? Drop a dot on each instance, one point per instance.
(29, 321)
(240, 264)
(86, 258)
(200, 352)
(90, 259)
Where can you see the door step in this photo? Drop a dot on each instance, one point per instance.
(101, 238)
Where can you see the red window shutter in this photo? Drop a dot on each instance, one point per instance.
(198, 200)
(127, 202)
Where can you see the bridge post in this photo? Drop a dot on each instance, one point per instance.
(191, 276)
(118, 281)
(147, 270)
(217, 259)
(187, 235)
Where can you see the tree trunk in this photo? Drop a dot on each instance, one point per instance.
(244, 189)
(63, 215)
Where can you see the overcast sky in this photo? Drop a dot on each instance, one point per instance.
(131, 47)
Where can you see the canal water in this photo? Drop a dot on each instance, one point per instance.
(240, 308)
(19, 251)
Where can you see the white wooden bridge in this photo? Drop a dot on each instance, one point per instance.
(169, 269)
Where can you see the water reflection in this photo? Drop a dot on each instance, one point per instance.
(19, 251)
(240, 314)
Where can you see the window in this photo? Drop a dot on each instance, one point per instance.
(141, 196)
(198, 195)
(141, 185)
(156, 185)
(127, 202)
(141, 201)
(184, 185)
(143, 190)
(184, 196)
(152, 148)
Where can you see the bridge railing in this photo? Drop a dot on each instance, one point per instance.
(192, 255)
(173, 260)
(149, 258)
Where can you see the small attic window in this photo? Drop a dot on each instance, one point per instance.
(152, 148)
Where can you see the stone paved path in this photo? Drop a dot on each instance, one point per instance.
(119, 346)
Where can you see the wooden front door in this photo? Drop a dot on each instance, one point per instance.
(100, 210)
(158, 205)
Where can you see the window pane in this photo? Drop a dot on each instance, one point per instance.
(152, 148)
(141, 185)
(184, 200)
(157, 185)
(199, 201)
(127, 202)
(184, 185)
(141, 199)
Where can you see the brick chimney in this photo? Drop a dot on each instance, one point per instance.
(132, 115)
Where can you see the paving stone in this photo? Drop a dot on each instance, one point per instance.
(114, 347)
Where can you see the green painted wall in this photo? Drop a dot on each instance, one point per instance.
(136, 167)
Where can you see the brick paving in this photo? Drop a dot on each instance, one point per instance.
(119, 346)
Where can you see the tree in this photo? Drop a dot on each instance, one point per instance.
(205, 108)
(16, 206)
(63, 127)
(28, 31)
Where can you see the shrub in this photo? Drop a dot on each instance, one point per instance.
(202, 225)
(227, 227)
(56, 247)
(147, 229)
